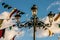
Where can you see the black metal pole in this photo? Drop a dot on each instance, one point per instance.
(34, 28)
(34, 33)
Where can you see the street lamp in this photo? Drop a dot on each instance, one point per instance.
(17, 17)
(50, 15)
(35, 22)
(34, 13)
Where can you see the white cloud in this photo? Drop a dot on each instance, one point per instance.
(21, 34)
(53, 4)
(6, 24)
(9, 34)
(1, 38)
(4, 15)
(40, 33)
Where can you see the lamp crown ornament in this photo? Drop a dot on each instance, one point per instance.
(34, 7)
(51, 14)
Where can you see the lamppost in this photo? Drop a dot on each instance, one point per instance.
(17, 17)
(50, 15)
(34, 22)
(34, 13)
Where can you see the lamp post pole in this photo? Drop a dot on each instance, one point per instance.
(34, 28)
(34, 13)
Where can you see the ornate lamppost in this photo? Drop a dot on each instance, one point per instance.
(34, 14)
(50, 15)
(17, 17)
(34, 22)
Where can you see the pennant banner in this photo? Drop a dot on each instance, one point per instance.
(1, 21)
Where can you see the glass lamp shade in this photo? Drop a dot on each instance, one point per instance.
(50, 19)
(34, 10)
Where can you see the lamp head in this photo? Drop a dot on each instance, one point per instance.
(34, 10)
(17, 17)
(50, 15)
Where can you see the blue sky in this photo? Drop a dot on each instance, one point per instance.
(25, 6)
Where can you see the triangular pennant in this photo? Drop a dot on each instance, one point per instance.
(5, 6)
(1, 21)
(9, 7)
(50, 33)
